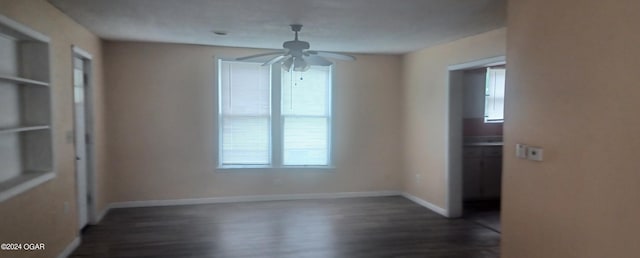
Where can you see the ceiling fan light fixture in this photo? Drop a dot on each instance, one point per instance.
(287, 65)
(299, 65)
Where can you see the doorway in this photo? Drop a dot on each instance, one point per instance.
(475, 141)
(83, 134)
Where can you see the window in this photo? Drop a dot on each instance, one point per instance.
(494, 96)
(273, 118)
(244, 114)
(306, 116)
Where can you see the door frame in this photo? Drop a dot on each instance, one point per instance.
(91, 184)
(455, 130)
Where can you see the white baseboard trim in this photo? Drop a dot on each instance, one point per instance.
(251, 198)
(101, 214)
(258, 198)
(70, 248)
(426, 204)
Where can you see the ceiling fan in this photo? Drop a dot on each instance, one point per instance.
(296, 55)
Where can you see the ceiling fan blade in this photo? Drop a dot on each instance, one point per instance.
(260, 55)
(317, 60)
(274, 60)
(333, 55)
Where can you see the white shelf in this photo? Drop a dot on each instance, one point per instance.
(23, 80)
(23, 128)
(23, 182)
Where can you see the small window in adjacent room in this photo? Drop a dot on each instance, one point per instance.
(494, 95)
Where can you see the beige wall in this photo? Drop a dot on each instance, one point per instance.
(573, 88)
(38, 215)
(426, 90)
(161, 108)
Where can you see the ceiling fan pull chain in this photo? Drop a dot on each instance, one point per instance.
(291, 90)
(230, 87)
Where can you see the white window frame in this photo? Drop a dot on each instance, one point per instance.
(491, 99)
(329, 122)
(276, 141)
(220, 118)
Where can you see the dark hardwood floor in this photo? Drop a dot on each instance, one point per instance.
(485, 213)
(349, 228)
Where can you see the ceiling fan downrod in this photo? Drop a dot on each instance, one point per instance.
(296, 28)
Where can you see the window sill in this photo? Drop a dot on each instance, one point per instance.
(23, 183)
(243, 167)
(236, 168)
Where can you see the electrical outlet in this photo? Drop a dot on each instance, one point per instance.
(534, 153)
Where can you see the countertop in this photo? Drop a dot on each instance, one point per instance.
(483, 144)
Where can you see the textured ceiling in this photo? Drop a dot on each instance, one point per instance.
(358, 26)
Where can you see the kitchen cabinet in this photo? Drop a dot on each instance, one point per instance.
(482, 172)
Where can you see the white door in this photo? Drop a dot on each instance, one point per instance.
(79, 83)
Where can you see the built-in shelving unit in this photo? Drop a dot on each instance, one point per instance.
(26, 153)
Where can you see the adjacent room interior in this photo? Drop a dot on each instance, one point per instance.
(275, 128)
(482, 151)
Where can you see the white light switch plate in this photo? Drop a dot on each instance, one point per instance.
(534, 153)
(521, 151)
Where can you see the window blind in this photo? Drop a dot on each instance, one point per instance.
(245, 113)
(306, 117)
